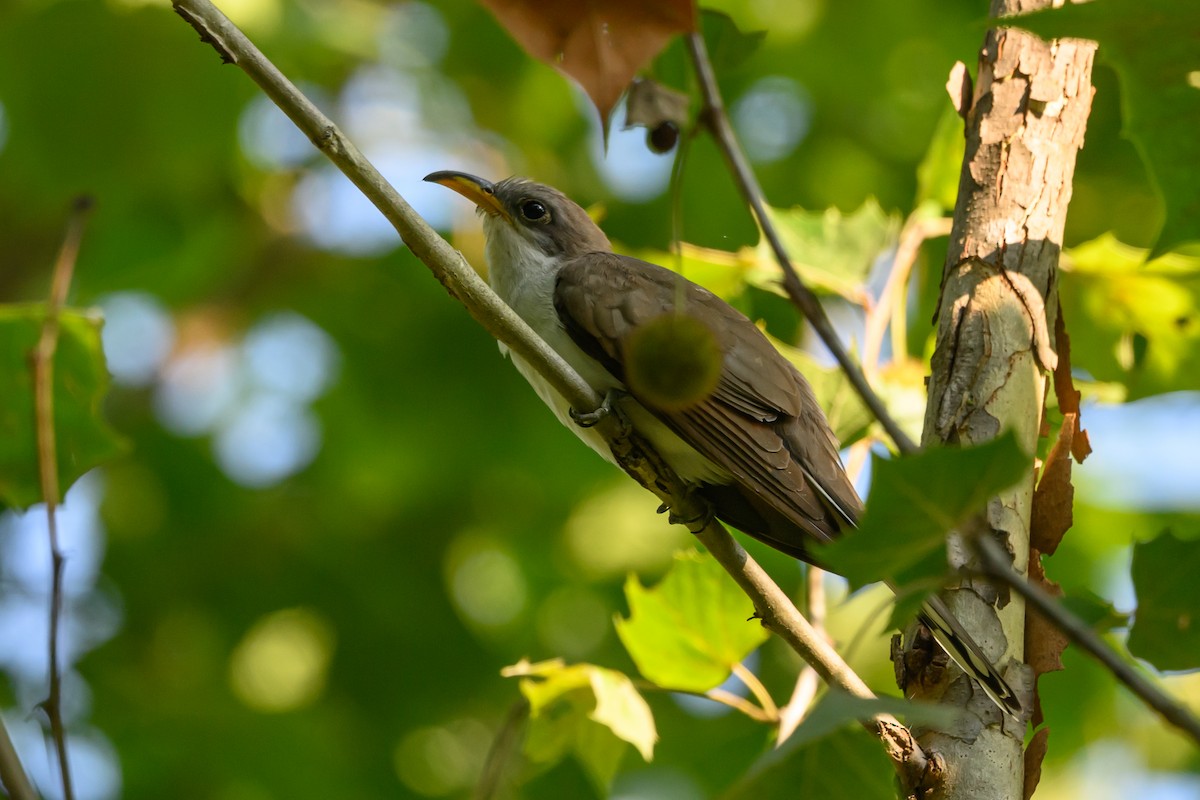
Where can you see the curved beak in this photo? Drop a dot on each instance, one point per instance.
(480, 192)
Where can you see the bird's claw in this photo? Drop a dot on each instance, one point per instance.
(695, 523)
(586, 419)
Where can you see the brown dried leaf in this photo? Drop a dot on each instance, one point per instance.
(1034, 755)
(1053, 499)
(600, 43)
(1064, 388)
(1044, 642)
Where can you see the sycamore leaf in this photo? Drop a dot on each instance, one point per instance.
(1166, 625)
(831, 251)
(915, 501)
(84, 438)
(1132, 322)
(689, 631)
(589, 711)
(600, 43)
(1151, 44)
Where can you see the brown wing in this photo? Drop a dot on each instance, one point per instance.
(762, 422)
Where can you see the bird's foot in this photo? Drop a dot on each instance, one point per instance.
(693, 522)
(608, 406)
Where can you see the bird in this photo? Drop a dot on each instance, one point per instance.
(757, 447)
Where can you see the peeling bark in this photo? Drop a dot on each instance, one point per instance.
(1024, 125)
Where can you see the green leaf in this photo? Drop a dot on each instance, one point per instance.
(84, 439)
(689, 631)
(847, 765)
(1093, 609)
(939, 170)
(590, 711)
(1131, 322)
(728, 45)
(831, 251)
(1151, 44)
(915, 501)
(1166, 625)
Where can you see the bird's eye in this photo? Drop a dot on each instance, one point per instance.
(533, 210)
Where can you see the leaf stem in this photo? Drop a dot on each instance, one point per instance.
(12, 774)
(47, 454)
(747, 676)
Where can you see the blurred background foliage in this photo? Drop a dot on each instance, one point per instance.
(339, 513)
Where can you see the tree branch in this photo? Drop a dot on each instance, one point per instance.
(12, 774)
(802, 297)
(773, 606)
(47, 454)
(997, 567)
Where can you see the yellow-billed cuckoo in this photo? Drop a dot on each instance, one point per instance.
(758, 447)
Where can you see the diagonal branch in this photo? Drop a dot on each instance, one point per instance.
(999, 567)
(801, 296)
(12, 774)
(772, 604)
(47, 456)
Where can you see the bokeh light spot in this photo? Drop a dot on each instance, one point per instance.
(266, 440)
(772, 118)
(486, 583)
(616, 532)
(437, 761)
(138, 335)
(289, 354)
(282, 662)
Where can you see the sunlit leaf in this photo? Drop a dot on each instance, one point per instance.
(915, 501)
(84, 438)
(939, 170)
(1131, 322)
(690, 630)
(1156, 62)
(832, 251)
(1166, 625)
(590, 711)
(600, 44)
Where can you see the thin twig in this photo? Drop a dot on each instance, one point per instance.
(771, 603)
(503, 751)
(891, 298)
(718, 695)
(1080, 633)
(751, 681)
(47, 453)
(12, 774)
(805, 690)
(718, 122)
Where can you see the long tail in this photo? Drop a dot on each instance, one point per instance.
(962, 649)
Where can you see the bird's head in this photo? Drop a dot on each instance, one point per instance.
(520, 215)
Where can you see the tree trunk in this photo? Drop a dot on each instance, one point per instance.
(1024, 126)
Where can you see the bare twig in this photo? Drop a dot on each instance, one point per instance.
(47, 451)
(1000, 568)
(751, 681)
(805, 690)
(12, 774)
(891, 305)
(772, 604)
(718, 122)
